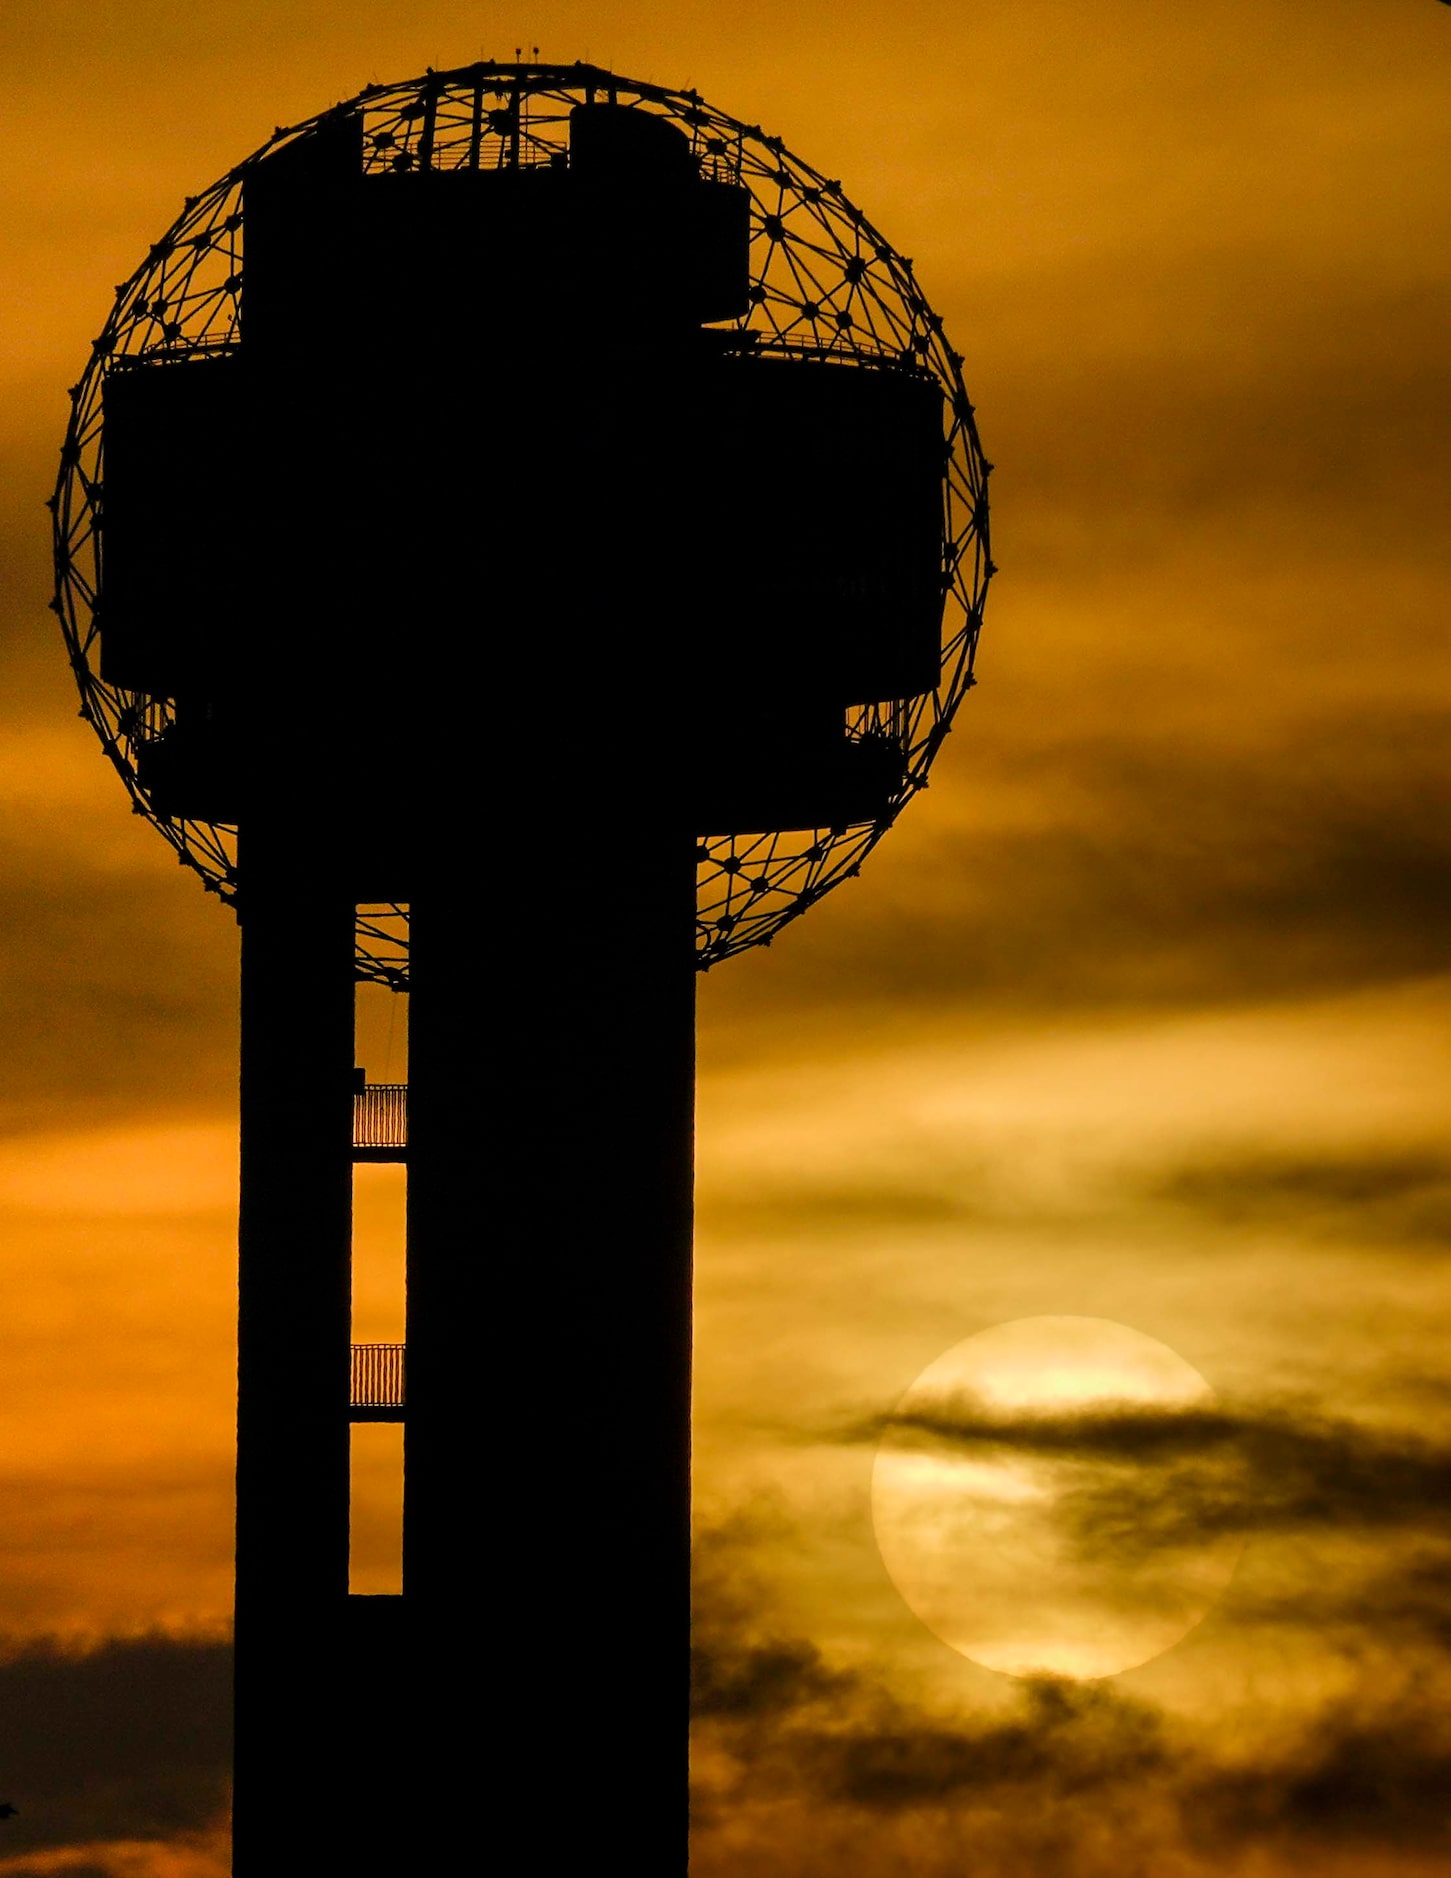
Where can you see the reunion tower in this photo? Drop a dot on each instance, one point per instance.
(521, 538)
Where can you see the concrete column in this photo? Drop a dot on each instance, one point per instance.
(547, 1524)
(293, 1336)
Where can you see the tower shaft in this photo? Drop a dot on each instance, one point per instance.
(547, 1439)
(540, 1646)
(292, 1343)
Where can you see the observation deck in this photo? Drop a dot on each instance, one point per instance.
(379, 1380)
(380, 1121)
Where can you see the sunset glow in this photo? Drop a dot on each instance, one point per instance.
(1142, 1016)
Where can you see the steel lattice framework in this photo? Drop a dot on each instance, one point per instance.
(825, 284)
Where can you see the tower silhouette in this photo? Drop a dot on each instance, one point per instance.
(543, 524)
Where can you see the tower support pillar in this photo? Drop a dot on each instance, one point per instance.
(547, 1527)
(292, 1353)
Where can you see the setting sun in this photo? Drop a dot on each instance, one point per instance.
(984, 1502)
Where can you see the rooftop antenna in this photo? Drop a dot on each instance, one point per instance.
(523, 594)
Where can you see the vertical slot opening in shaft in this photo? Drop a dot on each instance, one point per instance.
(380, 1252)
(379, 1291)
(380, 1033)
(375, 1526)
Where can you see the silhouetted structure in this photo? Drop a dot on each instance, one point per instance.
(468, 491)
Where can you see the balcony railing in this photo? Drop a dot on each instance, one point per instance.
(380, 1122)
(378, 1382)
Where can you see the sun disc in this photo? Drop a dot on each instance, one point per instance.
(982, 1501)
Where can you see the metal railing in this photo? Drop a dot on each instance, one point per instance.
(379, 1373)
(380, 1119)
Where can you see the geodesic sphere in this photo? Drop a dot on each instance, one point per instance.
(821, 287)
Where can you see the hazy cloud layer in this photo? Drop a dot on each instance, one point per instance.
(1148, 870)
(119, 981)
(1236, 413)
(1082, 1775)
(206, 1854)
(131, 1741)
(1146, 1477)
(1394, 1196)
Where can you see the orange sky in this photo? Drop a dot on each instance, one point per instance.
(1142, 1013)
